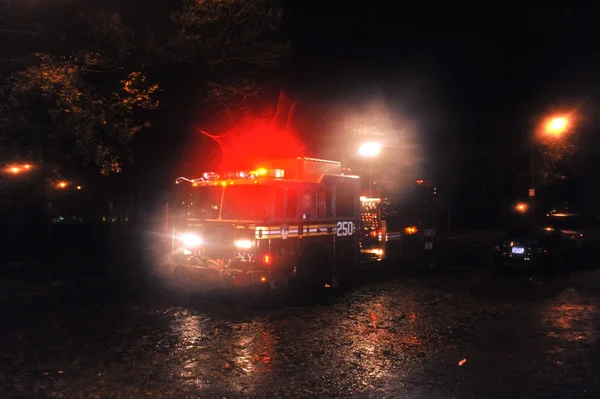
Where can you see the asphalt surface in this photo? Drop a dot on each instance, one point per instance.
(461, 330)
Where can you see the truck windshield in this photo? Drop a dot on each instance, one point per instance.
(247, 202)
(240, 202)
(202, 202)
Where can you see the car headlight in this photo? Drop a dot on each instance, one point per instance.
(243, 244)
(191, 240)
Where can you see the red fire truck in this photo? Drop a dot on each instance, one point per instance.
(289, 220)
(298, 220)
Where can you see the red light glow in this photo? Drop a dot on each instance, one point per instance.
(255, 140)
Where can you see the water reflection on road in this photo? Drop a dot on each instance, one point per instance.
(399, 338)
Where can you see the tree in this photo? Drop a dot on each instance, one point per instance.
(76, 101)
(236, 44)
(556, 160)
(80, 80)
(50, 113)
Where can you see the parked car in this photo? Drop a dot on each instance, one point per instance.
(582, 232)
(531, 247)
(562, 241)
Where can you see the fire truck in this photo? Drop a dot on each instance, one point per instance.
(300, 220)
(288, 220)
(400, 228)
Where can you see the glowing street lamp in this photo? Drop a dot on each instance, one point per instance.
(556, 126)
(62, 184)
(18, 168)
(521, 207)
(370, 150)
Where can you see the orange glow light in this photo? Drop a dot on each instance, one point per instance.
(556, 126)
(18, 168)
(410, 230)
(521, 207)
(62, 184)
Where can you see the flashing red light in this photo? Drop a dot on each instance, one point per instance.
(419, 181)
(256, 139)
(267, 259)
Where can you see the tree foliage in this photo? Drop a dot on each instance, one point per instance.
(78, 81)
(54, 115)
(235, 41)
(556, 161)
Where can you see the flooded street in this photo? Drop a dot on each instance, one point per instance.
(443, 334)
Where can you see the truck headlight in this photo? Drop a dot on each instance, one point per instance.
(243, 244)
(191, 240)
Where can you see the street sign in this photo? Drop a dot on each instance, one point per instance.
(532, 192)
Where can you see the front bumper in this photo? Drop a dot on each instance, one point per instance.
(201, 271)
(210, 276)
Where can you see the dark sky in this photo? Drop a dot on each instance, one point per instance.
(477, 65)
(474, 77)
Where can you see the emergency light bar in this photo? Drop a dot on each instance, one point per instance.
(241, 174)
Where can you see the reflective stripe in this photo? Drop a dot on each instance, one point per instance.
(393, 237)
(311, 230)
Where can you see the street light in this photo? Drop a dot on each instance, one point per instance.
(521, 207)
(370, 150)
(16, 169)
(551, 127)
(556, 126)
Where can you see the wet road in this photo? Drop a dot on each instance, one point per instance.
(458, 332)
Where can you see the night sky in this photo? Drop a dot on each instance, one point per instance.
(473, 80)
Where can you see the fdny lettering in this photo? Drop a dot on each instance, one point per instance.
(245, 256)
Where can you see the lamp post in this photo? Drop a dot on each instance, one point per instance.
(370, 150)
(553, 127)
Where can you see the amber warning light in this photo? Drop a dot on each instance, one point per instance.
(242, 174)
(410, 230)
